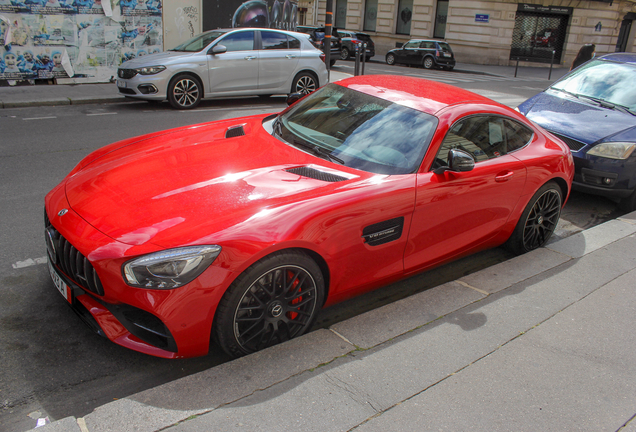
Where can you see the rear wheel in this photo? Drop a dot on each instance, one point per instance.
(390, 59)
(428, 62)
(304, 83)
(332, 62)
(344, 54)
(538, 221)
(274, 300)
(184, 92)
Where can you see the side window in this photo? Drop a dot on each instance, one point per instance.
(517, 135)
(483, 137)
(293, 42)
(427, 45)
(243, 41)
(273, 40)
(412, 45)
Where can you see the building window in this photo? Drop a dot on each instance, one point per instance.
(440, 19)
(370, 15)
(340, 21)
(405, 13)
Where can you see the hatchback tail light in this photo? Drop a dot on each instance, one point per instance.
(322, 57)
(436, 53)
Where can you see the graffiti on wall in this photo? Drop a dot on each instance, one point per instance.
(44, 39)
(187, 14)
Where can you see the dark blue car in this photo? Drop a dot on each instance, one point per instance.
(593, 110)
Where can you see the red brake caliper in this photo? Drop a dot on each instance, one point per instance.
(293, 315)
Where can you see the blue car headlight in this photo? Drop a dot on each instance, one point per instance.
(613, 150)
(171, 268)
(150, 70)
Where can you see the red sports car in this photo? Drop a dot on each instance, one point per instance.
(241, 230)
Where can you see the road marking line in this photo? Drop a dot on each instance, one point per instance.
(29, 262)
(100, 114)
(472, 287)
(39, 118)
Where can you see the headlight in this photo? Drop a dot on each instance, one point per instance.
(150, 70)
(613, 150)
(171, 268)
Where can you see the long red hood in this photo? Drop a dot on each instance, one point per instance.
(178, 186)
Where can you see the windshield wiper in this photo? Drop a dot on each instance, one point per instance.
(599, 101)
(565, 91)
(319, 151)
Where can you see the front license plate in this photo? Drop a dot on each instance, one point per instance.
(121, 83)
(59, 284)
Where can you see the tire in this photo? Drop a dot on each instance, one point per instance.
(304, 83)
(428, 62)
(344, 54)
(261, 309)
(184, 92)
(390, 59)
(629, 203)
(538, 221)
(332, 62)
(450, 68)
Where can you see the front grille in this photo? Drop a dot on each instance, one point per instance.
(126, 73)
(316, 174)
(572, 143)
(68, 259)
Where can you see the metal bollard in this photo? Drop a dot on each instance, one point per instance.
(364, 56)
(356, 69)
(551, 62)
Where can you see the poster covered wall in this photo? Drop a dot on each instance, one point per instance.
(89, 39)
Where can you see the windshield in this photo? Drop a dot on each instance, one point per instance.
(358, 130)
(199, 42)
(605, 80)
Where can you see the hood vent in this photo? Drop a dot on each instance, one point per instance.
(316, 174)
(234, 131)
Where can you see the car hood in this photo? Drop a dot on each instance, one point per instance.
(154, 59)
(576, 119)
(173, 188)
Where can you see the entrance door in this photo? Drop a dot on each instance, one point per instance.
(536, 36)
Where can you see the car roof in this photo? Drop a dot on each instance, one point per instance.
(417, 93)
(621, 57)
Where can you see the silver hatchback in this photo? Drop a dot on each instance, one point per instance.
(226, 62)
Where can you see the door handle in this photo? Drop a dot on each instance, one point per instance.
(290, 56)
(504, 176)
(250, 57)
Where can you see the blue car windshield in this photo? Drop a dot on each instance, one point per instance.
(604, 80)
(359, 130)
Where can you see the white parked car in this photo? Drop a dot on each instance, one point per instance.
(226, 62)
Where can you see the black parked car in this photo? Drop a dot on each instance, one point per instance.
(428, 53)
(317, 35)
(350, 39)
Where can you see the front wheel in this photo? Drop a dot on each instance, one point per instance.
(629, 203)
(428, 63)
(390, 59)
(184, 92)
(538, 221)
(274, 300)
(304, 83)
(344, 54)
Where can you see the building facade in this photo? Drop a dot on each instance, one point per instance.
(490, 32)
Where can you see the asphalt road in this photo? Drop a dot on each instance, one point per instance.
(52, 364)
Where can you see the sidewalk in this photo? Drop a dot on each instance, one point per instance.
(541, 342)
(76, 94)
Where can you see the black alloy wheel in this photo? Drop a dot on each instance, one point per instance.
(273, 301)
(184, 92)
(538, 221)
(390, 59)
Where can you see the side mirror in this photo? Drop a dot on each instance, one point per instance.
(458, 161)
(218, 49)
(294, 97)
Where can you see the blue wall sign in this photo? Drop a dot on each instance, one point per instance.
(482, 17)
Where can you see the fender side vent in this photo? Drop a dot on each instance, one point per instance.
(316, 174)
(234, 131)
(383, 232)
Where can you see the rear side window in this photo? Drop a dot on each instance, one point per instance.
(517, 135)
(293, 42)
(427, 45)
(273, 40)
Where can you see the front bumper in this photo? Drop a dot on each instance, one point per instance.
(147, 87)
(601, 176)
(164, 323)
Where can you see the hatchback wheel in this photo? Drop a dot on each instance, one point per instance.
(304, 83)
(344, 54)
(538, 221)
(390, 59)
(184, 92)
(428, 63)
(274, 300)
